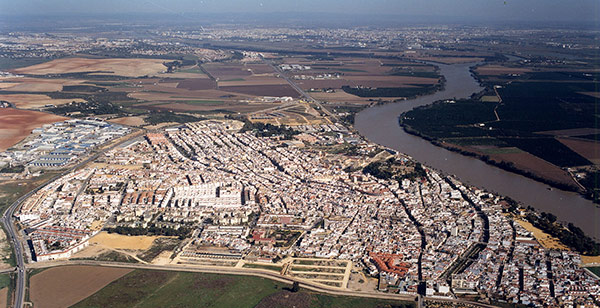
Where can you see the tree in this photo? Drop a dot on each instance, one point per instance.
(295, 286)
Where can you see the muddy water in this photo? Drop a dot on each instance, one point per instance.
(380, 124)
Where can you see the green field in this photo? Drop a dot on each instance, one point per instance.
(595, 270)
(194, 70)
(270, 267)
(145, 288)
(4, 281)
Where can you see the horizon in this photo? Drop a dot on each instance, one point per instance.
(434, 11)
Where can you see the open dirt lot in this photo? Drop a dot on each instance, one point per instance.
(67, 285)
(119, 67)
(118, 241)
(31, 101)
(544, 239)
(131, 121)
(589, 259)
(17, 124)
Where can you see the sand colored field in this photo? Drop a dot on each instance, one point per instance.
(589, 259)
(119, 67)
(546, 240)
(118, 241)
(36, 87)
(67, 285)
(28, 101)
(131, 121)
(17, 124)
(182, 75)
(28, 84)
(115, 166)
(6, 85)
(3, 297)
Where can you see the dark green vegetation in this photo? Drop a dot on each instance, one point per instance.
(560, 155)
(391, 92)
(151, 230)
(144, 288)
(13, 169)
(10, 63)
(111, 256)
(83, 88)
(452, 120)
(10, 191)
(595, 270)
(157, 117)
(526, 108)
(269, 130)
(570, 235)
(4, 280)
(158, 246)
(592, 184)
(285, 238)
(389, 169)
(263, 266)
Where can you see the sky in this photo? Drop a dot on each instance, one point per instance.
(492, 10)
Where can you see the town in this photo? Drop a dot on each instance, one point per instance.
(238, 196)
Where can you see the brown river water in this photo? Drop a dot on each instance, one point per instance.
(379, 124)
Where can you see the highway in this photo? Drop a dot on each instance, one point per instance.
(300, 91)
(13, 237)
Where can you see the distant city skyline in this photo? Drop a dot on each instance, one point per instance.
(429, 10)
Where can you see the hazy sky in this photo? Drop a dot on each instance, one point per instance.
(494, 10)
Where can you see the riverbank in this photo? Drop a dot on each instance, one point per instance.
(507, 166)
(379, 124)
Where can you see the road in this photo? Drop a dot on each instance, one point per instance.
(13, 233)
(257, 273)
(301, 91)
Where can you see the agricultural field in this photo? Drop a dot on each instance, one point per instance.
(359, 80)
(116, 67)
(17, 124)
(541, 125)
(67, 285)
(143, 288)
(36, 101)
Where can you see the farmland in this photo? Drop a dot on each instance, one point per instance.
(117, 67)
(144, 288)
(18, 124)
(73, 283)
(538, 127)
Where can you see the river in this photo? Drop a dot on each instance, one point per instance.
(379, 124)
